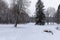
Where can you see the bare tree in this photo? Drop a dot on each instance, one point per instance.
(50, 14)
(3, 10)
(18, 7)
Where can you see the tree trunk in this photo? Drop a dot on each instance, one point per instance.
(16, 22)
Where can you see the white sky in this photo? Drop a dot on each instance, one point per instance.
(47, 3)
(51, 3)
(8, 2)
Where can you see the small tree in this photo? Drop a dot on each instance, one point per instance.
(16, 13)
(40, 16)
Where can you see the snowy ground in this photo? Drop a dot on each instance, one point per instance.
(28, 31)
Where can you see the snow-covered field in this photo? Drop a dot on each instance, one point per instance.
(28, 31)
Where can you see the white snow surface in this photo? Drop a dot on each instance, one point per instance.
(28, 31)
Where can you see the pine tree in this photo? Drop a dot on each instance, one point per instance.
(40, 16)
(57, 15)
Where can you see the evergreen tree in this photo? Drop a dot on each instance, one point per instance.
(40, 16)
(57, 15)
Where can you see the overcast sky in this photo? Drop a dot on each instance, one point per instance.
(47, 3)
(51, 3)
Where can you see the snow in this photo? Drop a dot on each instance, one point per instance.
(28, 31)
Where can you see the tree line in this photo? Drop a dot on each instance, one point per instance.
(13, 14)
(17, 13)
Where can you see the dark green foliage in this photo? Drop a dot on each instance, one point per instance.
(40, 16)
(57, 15)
